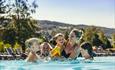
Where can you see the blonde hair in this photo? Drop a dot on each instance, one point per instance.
(30, 41)
(57, 35)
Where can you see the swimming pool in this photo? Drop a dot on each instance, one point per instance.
(99, 63)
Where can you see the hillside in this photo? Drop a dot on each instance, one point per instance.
(45, 24)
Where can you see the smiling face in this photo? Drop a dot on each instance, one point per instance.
(46, 48)
(60, 40)
(75, 35)
(72, 37)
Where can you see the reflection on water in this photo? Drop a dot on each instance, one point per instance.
(100, 63)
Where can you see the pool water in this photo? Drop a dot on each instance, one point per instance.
(99, 63)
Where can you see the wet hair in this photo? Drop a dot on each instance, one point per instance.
(49, 46)
(87, 46)
(29, 42)
(78, 33)
(53, 40)
(57, 35)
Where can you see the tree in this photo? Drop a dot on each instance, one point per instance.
(2, 6)
(88, 35)
(66, 35)
(96, 41)
(21, 22)
(9, 36)
(106, 43)
(113, 40)
(3, 10)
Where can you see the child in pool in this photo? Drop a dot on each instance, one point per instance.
(45, 51)
(56, 51)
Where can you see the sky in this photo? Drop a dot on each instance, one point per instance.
(88, 12)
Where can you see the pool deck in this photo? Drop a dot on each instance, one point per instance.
(105, 54)
(18, 57)
(9, 57)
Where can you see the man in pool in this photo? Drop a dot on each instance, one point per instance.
(34, 48)
(86, 50)
(37, 51)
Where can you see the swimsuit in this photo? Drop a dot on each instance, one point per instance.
(56, 51)
(67, 55)
(64, 54)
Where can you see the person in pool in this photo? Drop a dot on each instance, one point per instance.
(86, 50)
(56, 51)
(34, 49)
(72, 48)
(45, 51)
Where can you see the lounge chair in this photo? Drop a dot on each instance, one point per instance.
(18, 51)
(4, 56)
(11, 53)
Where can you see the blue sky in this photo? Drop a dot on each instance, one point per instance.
(89, 12)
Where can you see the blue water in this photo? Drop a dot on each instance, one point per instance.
(99, 63)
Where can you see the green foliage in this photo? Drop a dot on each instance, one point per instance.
(21, 26)
(22, 8)
(113, 40)
(96, 41)
(3, 10)
(104, 39)
(66, 35)
(7, 45)
(16, 46)
(2, 6)
(88, 34)
(9, 36)
(96, 37)
(1, 46)
(113, 37)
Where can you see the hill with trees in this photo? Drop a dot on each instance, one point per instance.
(46, 24)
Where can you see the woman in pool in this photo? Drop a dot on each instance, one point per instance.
(72, 48)
(86, 50)
(56, 51)
(34, 48)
